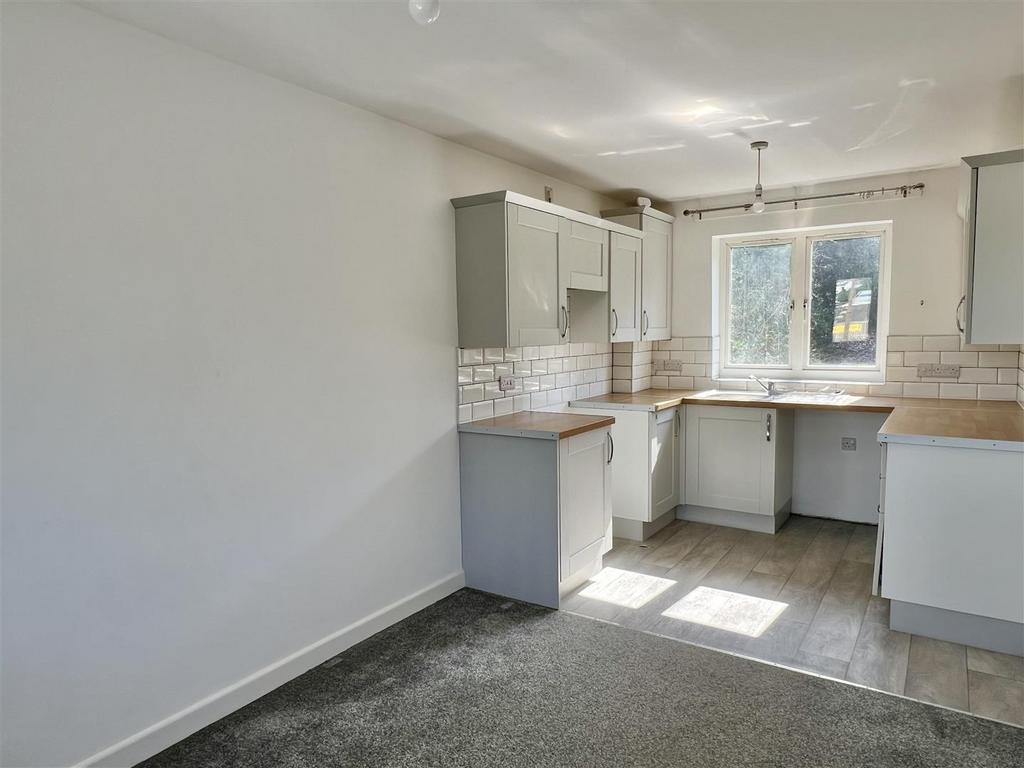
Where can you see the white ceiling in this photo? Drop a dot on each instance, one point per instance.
(655, 97)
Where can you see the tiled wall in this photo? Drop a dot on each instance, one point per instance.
(631, 366)
(543, 376)
(987, 371)
(552, 375)
(1020, 377)
(696, 364)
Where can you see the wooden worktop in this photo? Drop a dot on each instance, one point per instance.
(545, 425)
(998, 428)
(912, 419)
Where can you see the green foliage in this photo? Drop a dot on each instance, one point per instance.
(833, 261)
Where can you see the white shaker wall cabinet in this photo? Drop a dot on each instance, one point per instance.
(739, 466)
(624, 294)
(656, 280)
(536, 511)
(530, 272)
(993, 197)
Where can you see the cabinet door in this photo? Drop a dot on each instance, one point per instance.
(584, 499)
(730, 458)
(664, 480)
(582, 256)
(656, 287)
(624, 288)
(995, 311)
(533, 309)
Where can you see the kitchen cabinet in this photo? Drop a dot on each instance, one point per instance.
(656, 268)
(530, 273)
(952, 544)
(625, 281)
(645, 484)
(739, 466)
(536, 503)
(992, 197)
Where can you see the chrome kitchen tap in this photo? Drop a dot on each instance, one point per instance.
(769, 387)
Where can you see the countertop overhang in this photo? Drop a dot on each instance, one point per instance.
(543, 425)
(992, 424)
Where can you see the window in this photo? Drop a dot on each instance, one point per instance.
(804, 304)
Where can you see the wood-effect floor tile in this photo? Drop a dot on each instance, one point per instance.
(937, 672)
(997, 697)
(878, 610)
(992, 663)
(836, 625)
(861, 547)
(880, 658)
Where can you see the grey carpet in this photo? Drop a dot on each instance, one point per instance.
(478, 681)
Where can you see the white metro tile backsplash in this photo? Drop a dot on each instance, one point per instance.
(987, 371)
(543, 376)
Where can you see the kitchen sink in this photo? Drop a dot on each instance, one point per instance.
(736, 394)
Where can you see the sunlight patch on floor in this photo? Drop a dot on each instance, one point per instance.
(730, 611)
(626, 588)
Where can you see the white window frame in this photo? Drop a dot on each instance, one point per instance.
(799, 367)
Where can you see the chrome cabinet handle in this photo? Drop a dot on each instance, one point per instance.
(565, 319)
(677, 423)
(768, 428)
(611, 448)
(646, 324)
(615, 317)
(960, 327)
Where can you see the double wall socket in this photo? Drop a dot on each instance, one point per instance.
(671, 365)
(938, 371)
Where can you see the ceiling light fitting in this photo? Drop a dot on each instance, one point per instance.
(758, 205)
(424, 12)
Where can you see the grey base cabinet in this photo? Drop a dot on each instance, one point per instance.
(536, 513)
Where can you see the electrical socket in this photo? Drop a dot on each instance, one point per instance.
(505, 383)
(670, 365)
(849, 443)
(938, 370)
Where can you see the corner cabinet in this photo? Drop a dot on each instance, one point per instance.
(531, 273)
(738, 466)
(991, 310)
(656, 269)
(646, 482)
(536, 508)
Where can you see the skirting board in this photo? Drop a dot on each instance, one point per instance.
(731, 519)
(173, 729)
(638, 530)
(955, 627)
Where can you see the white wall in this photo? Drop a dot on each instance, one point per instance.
(926, 252)
(831, 482)
(229, 393)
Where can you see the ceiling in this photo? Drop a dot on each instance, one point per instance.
(661, 98)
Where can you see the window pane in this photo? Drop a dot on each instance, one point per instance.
(844, 301)
(759, 304)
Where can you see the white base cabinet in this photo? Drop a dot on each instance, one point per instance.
(739, 466)
(646, 478)
(953, 538)
(536, 513)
